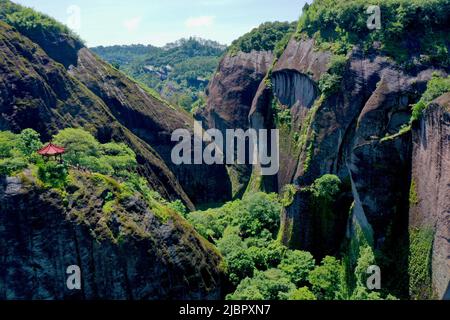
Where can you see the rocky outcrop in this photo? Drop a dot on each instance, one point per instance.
(230, 95)
(131, 252)
(429, 195)
(233, 88)
(350, 133)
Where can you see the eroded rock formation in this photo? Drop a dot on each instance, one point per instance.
(128, 253)
(430, 197)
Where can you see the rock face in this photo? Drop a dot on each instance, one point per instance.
(233, 88)
(129, 253)
(230, 96)
(430, 203)
(350, 133)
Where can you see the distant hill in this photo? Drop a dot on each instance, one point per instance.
(179, 71)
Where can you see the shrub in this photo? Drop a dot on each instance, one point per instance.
(53, 174)
(282, 44)
(288, 196)
(326, 187)
(178, 207)
(337, 64)
(329, 83)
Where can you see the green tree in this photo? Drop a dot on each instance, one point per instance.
(275, 253)
(361, 293)
(119, 157)
(240, 266)
(11, 165)
(230, 242)
(326, 279)
(297, 265)
(11, 157)
(272, 284)
(301, 294)
(29, 142)
(326, 187)
(115, 159)
(263, 38)
(8, 141)
(263, 212)
(259, 257)
(78, 144)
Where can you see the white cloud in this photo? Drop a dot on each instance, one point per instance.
(132, 24)
(202, 21)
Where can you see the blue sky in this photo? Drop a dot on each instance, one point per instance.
(157, 22)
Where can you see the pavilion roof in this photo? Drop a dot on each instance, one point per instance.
(51, 150)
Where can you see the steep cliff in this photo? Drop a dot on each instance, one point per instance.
(346, 115)
(429, 219)
(230, 96)
(343, 133)
(235, 83)
(233, 87)
(124, 248)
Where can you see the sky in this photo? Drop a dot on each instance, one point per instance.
(157, 22)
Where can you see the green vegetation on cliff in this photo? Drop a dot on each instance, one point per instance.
(436, 87)
(57, 40)
(266, 37)
(17, 150)
(29, 21)
(420, 251)
(405, 24)
(111, 163)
